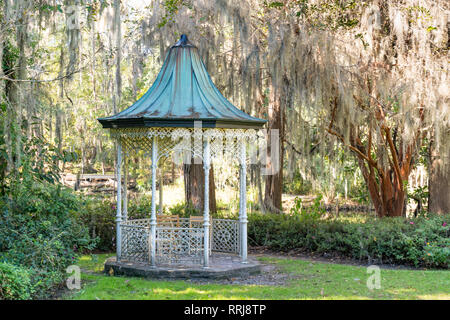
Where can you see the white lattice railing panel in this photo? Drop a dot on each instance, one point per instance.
(225, 235)
(135, 243)
(179, 245)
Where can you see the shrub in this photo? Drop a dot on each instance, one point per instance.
(15, 282)
(423, 241)
(298, 185)
(40, 232)
(183, 210)
(309, 213)
(99, 216)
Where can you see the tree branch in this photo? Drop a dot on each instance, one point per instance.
(358, 152)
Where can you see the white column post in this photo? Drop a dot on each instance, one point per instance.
(125, 189)
(243, 200)
(119, 201)
(206, 224)
(161, 182)
(153, 214)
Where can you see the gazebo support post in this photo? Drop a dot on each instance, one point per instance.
(119, 202)
(243, 201)
(125, 188)
(206, 224)
(161, 181)
(153, 214)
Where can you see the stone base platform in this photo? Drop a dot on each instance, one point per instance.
(222, 266)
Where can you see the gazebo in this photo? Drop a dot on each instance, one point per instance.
(182, 115)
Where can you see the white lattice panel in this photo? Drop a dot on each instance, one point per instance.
(225, 235)
(179, 245)
(135, 243)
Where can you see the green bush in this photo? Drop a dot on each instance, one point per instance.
(183, 210)
(424, 241)
(308, 213)
(15, 282)
(297, 185)
(40, 232)
(99, 215)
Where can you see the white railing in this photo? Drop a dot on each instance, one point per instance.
(135, 243)
(179, 245)
(178, 241)
(225, 236)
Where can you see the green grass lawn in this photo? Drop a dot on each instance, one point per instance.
(310, 280)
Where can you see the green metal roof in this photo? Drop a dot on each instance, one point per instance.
(182, 93)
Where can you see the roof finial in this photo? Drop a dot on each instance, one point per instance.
(183, 42)
(184, 39)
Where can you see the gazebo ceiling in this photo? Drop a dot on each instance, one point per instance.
(182, 93)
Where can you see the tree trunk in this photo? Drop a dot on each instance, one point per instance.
(388, 197)
(212, 191)
(194, 180)
(173, 173)
(258, 185)
(274, 180)
(439, 178)
(3, 139)
(17, 89)
(118, 56)
(385, 184)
